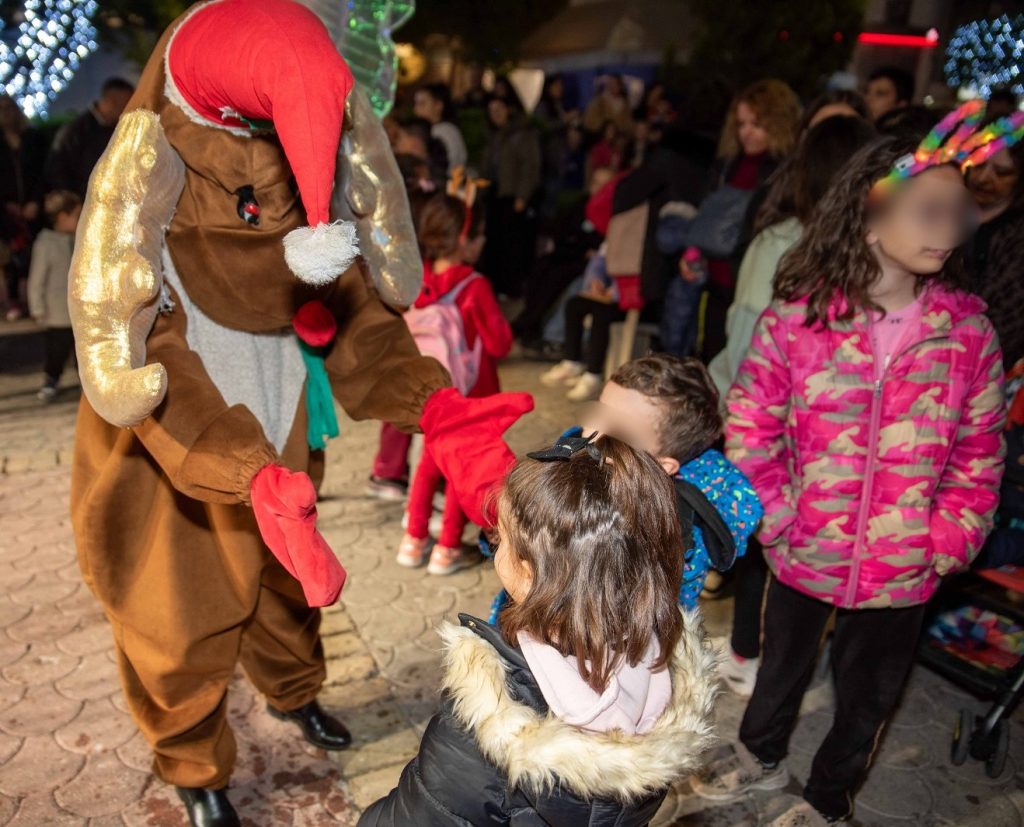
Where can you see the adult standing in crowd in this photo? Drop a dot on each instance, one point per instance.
(512, 163)
(22, 155)
(610, 104)
(996, 253)
(554, 120)
(78, 146)
(889, 89)
(671, 170)
(760, 130)
(433, 103)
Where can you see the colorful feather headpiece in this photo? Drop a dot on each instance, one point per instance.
(956, 139)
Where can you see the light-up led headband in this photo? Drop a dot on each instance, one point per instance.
(956, 139)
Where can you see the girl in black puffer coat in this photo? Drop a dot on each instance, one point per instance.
(525, 736)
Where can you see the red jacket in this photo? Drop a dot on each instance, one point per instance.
(481, 317)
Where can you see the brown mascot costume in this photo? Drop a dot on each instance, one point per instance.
(218, 307)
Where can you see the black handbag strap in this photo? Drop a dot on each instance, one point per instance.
(696, 509)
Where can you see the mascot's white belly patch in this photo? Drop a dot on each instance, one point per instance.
(263, 371)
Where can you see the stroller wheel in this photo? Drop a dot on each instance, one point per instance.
(962, 737)
(997, 760)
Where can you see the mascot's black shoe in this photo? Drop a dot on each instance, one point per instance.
(208, 808)
(320, 729)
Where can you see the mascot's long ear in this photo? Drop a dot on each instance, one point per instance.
(116, 272)
(369, 190)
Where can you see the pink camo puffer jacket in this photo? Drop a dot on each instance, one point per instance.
(871, 491)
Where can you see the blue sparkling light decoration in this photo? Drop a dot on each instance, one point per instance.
(985, 54)
(52, 40)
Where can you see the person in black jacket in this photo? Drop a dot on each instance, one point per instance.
(525, 735)
(79, 144)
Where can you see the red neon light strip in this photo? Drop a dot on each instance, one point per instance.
(879, 39)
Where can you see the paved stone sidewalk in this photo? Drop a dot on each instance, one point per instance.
(69, 754)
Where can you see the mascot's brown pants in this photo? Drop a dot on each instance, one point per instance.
(190, 591)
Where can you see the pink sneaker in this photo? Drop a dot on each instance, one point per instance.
(412, 552)
(445, 560)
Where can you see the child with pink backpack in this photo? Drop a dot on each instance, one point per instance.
(457, 320)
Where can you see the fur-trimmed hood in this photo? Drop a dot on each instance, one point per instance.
(541, 752)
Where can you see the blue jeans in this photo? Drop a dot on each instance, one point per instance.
(679, 319)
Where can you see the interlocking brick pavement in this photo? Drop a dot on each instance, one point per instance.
(69, 753)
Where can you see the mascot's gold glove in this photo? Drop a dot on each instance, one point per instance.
(115, 281)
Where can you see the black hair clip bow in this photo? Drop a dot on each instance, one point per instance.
(567, 446)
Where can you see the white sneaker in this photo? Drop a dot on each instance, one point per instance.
(737, 674)
(565, 372)
(587, 387)
(47, 393)
(801, 814)
(733, 772)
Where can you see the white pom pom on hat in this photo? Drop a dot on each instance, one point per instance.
(273, 60)
(318, 255)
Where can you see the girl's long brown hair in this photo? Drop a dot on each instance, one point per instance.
(602, 539)
(833, 256)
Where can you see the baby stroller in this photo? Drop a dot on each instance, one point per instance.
(975, 632)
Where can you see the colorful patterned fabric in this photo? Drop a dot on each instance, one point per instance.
(731, 493)
(871, 490)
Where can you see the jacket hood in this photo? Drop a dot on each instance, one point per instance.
(541, 752)
(436, 285)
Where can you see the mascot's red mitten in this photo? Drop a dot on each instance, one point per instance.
(464, 436)
(285, 506)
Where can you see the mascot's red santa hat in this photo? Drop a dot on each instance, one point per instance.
(272, 86)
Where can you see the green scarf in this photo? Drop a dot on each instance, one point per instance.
(322, 421)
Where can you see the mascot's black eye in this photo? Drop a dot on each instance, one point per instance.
(248, 206)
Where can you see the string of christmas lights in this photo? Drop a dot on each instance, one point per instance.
(52, 40)
(986, 54)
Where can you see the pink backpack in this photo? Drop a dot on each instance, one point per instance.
(438, 331)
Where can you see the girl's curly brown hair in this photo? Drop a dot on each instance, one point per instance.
(833, 255)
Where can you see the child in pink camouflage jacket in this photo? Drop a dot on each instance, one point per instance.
(868, 416)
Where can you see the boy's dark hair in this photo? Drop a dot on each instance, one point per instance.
(692, 418)
(901, 79)
(117, 85)
(602, 539)
(833, 254)
(59, 201)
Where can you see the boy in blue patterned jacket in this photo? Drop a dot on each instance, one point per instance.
(670, 408)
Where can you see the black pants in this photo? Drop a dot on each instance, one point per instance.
(602, 316)
(751, 577)
(509, 252)
(715, 313)
(60, 341)
(872, 652)
(548, 279)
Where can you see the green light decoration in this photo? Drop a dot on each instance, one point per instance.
(369, 49)
(362, 30)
